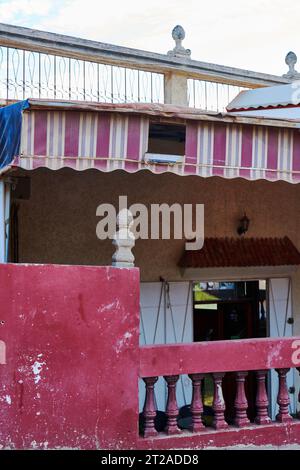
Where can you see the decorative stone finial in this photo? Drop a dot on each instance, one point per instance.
(124, 241)
(178, 34)
(291, 60)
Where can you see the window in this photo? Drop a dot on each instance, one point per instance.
(229, 310)
(166, 139)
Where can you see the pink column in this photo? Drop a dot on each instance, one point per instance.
(283, 399)
(172, 408)
(197, 405)
(262, 402)
(218, 403)
(149, 411)
(240, 403)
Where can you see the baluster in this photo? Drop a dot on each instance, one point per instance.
(197, 405)
(124, 240)
(262, 402)
(172, 408)
(149, 410)
(283, 399)
(218, 402)
(241, 403)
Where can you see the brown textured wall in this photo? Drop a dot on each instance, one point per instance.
(58, 223)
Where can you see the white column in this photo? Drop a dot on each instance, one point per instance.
(175, 84)
(176, 89)
(4, 220)
(2, 223)
(7, 219)
(280, 309)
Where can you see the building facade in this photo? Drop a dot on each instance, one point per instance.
(195, 348)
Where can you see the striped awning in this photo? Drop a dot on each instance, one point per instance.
(251, 152)
(82, 140)
(110, 139)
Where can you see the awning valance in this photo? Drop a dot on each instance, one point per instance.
(118, 139)
(82, 140)
(246, 151)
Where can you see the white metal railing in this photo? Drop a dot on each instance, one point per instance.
(37, 75)
(38, 64)
(211, 96)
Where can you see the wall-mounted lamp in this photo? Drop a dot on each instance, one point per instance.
(244, 225)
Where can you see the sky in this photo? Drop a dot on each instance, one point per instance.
(250, 34)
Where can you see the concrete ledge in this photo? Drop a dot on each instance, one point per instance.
(272, 435)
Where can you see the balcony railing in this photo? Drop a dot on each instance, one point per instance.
(36, 64)
(216, 359)
(28, 73)
(211, 96)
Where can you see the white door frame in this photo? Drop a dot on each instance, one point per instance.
(5, 188)
(280, 308)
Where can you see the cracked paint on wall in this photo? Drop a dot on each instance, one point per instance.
(37, 369)
(62, 369)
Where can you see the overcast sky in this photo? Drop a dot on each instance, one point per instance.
(252, 34)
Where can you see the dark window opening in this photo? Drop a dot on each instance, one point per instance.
(166, 139)
(229, 310)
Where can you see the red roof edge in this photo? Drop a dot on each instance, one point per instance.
(242, 252)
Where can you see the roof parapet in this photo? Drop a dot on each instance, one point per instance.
(39, 64)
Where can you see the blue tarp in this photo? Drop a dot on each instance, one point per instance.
(10, 131)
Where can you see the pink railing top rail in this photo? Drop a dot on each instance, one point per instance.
(220, 356)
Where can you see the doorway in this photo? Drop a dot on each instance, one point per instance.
(229, 311)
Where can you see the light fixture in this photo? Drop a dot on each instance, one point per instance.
(243, 225)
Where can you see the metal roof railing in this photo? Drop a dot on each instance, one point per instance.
(39, 64)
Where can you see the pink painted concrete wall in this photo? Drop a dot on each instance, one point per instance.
(69, 370)
(71, 373)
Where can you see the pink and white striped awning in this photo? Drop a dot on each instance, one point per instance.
(82, 140)
(251, 152)
(109, 139)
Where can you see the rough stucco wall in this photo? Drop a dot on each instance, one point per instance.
(58, 223)
(71, 371)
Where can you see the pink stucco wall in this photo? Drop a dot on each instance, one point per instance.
(71, 335)
(69, 378)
